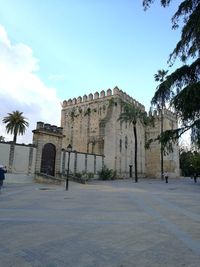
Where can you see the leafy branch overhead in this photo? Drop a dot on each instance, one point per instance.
(181, 88)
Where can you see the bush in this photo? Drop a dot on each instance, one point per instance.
(78, 175)
(84, 175)
(87, 175)
(107, 174)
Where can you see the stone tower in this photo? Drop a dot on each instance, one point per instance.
(90, 124)
(153, 155)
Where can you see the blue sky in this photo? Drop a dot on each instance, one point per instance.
(55, 50)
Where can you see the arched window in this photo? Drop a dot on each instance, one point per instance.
(120, 145)
(126, 142)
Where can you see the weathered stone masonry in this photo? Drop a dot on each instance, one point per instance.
(48, 134)
(90, 123)
(52, 157)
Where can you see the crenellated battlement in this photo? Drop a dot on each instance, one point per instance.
(49, 128)
(166, 113)
(102, 95)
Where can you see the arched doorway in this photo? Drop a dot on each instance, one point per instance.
(48, 159)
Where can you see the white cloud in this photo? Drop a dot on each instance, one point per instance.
(21, 88)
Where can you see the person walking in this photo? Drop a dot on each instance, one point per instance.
(195, 177)
(3, 170)
(166, 177)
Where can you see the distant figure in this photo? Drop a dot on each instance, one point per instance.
(166, 177)
(195, 177)
(3, 170)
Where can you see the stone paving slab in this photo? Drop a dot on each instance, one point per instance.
(101, 224)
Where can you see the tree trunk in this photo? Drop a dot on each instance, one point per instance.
(11, 157)
(135, 136)
(161, 150)
(15, 138)
(161, 145)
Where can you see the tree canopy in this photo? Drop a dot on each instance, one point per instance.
(181, 88)
(15, 124)
(190, 163)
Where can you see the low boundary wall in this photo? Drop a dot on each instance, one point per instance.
(21, 159)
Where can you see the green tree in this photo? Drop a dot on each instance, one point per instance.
(160, 77)
(186, 163)
(133, 115)
(182, 87)
(15, 124)
(196, 162)
(190, 162)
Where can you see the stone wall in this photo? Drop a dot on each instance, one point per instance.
(47, 134)
(83, 119)
(81, 162)
(25, 163)
(90, 124)
(19, 159)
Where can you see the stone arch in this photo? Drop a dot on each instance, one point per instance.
(48, 159)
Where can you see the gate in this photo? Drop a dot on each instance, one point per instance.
(48, 159)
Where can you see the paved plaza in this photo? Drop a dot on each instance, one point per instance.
(101, 224)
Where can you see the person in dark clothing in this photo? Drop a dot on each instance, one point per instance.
(195, 177)
(3, 170)
(166, 177)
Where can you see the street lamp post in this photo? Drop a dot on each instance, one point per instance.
(131, 170)
(69, 150)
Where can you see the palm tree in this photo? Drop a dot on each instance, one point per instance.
(133, 115)
(160, 77)
(15, 124)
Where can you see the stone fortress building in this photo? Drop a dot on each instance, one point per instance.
(90, 124)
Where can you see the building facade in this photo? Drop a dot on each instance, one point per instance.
(91, 125)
